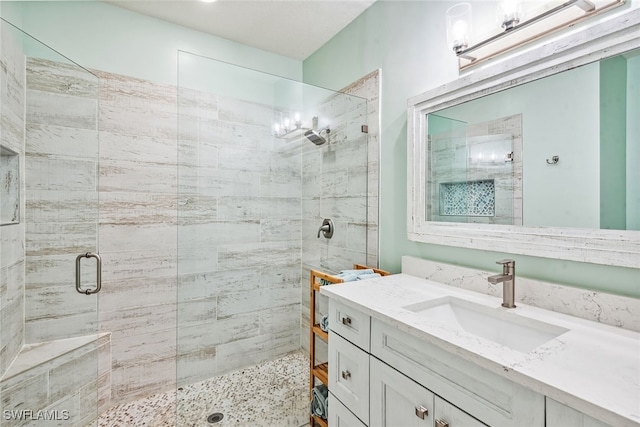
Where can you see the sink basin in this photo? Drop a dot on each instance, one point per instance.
(494, 324)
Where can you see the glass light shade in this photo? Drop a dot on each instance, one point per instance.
(509, 13)
(458, 26)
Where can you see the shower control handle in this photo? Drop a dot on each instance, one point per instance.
(326, 229)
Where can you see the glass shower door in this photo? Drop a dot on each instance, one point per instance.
(50, 346)
(262, 161)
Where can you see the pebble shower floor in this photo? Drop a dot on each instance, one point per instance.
(274, 394)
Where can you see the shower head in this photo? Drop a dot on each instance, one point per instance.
(315, 137)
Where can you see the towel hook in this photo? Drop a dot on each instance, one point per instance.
(554, 160)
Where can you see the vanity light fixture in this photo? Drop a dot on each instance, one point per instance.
(458, 26)
(519, 27)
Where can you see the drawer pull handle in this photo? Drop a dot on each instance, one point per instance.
(422, 412)
(442, 423)
(346, 375)
(346, 321)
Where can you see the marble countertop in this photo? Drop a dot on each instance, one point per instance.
(593, 368)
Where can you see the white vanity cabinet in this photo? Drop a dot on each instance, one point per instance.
(397, 400)
(447, 415)
(349, 375)
(340, 416)
(559, 415)
(405, 381)
(486, 396)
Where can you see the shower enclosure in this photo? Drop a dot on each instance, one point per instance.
(207, 197)
(262, 162)
(50, 346)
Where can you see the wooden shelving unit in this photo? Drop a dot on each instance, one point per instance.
(321, 371)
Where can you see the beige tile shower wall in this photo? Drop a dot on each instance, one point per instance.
(238, 237)
(340, 181)
(368, 88)
(138, 185)
(61, 212)
(237, 213)
(11, 236)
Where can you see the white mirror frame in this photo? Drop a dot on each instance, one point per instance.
(610, 247)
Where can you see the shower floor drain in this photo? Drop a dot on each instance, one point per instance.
(215, 418)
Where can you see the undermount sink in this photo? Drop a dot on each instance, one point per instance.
(494, 324)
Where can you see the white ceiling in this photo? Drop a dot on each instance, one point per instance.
(292, 28)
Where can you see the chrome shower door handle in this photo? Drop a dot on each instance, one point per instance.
(98, 273)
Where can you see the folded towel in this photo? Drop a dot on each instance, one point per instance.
(356, 272)
(324, 323)
(351, 275)
(319, 405)
(368, 276)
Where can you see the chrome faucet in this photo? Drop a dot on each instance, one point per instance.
(508, 280)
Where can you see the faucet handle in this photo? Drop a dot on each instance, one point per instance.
(506, 262)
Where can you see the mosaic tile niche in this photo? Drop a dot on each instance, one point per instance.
(475, 173)
(476, 198)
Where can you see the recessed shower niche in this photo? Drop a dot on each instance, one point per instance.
(9, 186)
(468, 198)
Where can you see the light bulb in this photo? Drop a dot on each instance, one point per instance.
(459, 26)
(509, 13)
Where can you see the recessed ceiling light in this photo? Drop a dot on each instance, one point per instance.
(207, 1)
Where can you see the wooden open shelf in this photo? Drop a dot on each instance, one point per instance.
(321, 371)
(319, 332)
(318, 421)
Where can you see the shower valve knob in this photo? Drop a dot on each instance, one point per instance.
(326, 228)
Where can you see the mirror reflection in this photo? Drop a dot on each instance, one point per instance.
(562, 151)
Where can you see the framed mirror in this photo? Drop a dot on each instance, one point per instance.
(537, 155)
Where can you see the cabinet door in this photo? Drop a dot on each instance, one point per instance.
(485, 395)
(447, 415)
(349, 375)
(397, 400)
(559, 415)
(340, 416)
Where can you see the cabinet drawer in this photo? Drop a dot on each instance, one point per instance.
(349, 375)
(486, 396)
(397, 400)
(340, 416)
(350, 324)
(447, 415)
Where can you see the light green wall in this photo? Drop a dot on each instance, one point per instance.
(613, 143)
(407, 40)
(108, 38)
(633, 150)
(12, 12)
